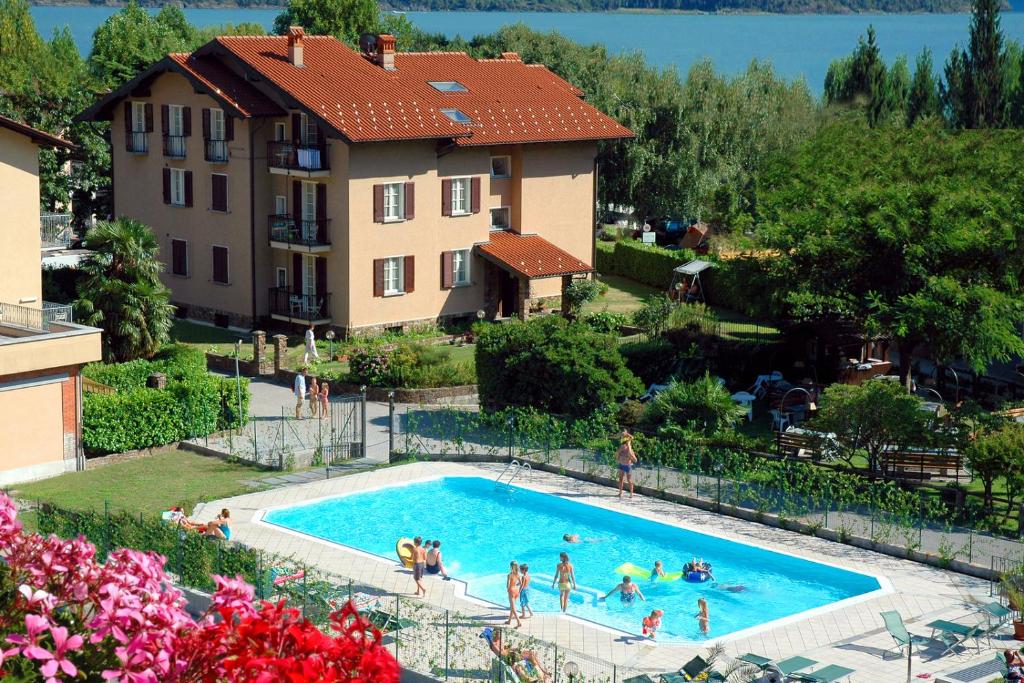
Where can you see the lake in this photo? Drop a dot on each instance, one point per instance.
(797, 45)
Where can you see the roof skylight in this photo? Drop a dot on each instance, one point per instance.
(457, 116)
(448, 86)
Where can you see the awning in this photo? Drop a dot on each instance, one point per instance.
(530, 256)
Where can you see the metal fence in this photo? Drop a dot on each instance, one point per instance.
(55, 230)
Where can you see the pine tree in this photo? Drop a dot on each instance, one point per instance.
(923, 100)
(957, 91)
(988, 64)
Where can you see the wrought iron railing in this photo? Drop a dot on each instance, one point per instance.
(297, 307)
(137, 142)
(37, 319)
(285, 229)
(216, 150)
(55, 230)
(174, 146)
(57, 313)
(298, 157)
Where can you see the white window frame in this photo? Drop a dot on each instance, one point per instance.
(280, 132)
(218, 129)
(508, 161)
(177, 187)
(176, 122)
(227, 264)
(494, 226)
(185, 242)
(310, 133)
(465, 195)
(395, 211)
(397, 265)
(280, 205)
(461, 259)
(281, 282)
(138, 117)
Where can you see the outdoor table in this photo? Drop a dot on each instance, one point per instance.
(745, 399)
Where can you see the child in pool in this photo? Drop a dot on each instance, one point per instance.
(652, 623)
(657, 571)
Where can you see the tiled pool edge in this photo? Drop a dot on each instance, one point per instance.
(461, 588)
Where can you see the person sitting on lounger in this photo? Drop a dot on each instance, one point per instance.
(177, 517)
(1014, 666)
(627, 590)
(220, 527)
(497, 644)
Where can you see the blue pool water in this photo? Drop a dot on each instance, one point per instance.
(483, 527)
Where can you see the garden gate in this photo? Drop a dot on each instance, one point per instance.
(346, 438)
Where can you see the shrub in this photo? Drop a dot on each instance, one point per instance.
(746, 284)
(229, 416)
(653, 316)
(578, 294)
(646, 263)
(137, 418)
(702, 406)
(652, 361)
(606, 322)
(408, 365)
(552, 365)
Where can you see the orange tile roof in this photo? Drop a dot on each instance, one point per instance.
(226, 84)
(39, 137)
(531, 256)
(507, 100)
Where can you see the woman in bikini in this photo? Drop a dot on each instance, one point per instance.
(513, 584)
(627, 590)
(565, 577)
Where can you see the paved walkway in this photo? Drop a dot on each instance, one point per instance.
(851, 636)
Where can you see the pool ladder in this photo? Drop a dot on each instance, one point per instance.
(513, 470)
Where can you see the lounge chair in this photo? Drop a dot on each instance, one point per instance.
(995, 613)
(787, 667)
(642, 678)
(954, 635)
(898, 630)
(386, 622)
(826, 674)
(690, 671)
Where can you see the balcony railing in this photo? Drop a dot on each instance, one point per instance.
(216, 150)
(293, 157)
(283, 228)
(174, 146)
(137, 142)
(295, 307)
(37, 319)
(55, 230)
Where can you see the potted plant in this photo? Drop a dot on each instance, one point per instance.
(1013, 586)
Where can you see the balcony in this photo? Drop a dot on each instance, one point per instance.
(33, 339)
(36, 320)
(288, 158)
(309, 236)
(137, 142)
(299, 308)
(216, 151)
(55, 231)
(174, 146)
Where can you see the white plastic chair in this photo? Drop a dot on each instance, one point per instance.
(780, 421)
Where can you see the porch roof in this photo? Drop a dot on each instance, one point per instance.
(530, 256)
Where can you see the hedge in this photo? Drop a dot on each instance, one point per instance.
(646, 263)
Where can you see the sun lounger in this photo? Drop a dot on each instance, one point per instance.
(954, 635)
(826, 674)
(898, 630)
(786, 667)
(689, 672)
(386, 622)
(994, 612)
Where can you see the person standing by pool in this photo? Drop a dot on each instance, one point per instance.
(524, 593)
(627, 460)
(627, 590)
(565, 577)
(419, 565)
(652, 623)
(703, 616)
(513, 584)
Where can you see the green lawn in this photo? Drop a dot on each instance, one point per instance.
(147, 484)
(624, 295)
(213, 339)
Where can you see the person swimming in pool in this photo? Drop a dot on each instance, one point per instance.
(658, 570)
(627, 459)
(627, 590)
(575, 538)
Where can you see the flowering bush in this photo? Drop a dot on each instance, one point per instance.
(66, 616)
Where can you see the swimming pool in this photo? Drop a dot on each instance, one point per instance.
(483, 527)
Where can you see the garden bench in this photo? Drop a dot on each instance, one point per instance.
(797, 445)
(1015, 414)
(922, 464)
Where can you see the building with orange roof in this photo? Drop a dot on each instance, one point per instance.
(294, 178)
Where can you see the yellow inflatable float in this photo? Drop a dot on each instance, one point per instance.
(639, 572)
(404, 549)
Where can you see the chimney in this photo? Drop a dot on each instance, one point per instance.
(295, 36)
(511, 56)
(385, 56)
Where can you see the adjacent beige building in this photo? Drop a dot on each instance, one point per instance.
(41, 351)
(293, 178)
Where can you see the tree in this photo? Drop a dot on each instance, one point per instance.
(907, 233)
(871, 417)
(995, 454)
(923, 99)
(975, 91)
(132, 39)
(121, 290)
(346, 20)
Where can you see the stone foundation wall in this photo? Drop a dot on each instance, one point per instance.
(209, 315)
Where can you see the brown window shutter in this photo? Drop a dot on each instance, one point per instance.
(229, 127)
(149, 116)
(321, 202)
(410, 273)
(296, 273)
(296, 200)
(220, 192)
(188, 188)
(321, 277)
(127, 117)
(165, 118)
(186, 121)
(447, 269)
(206, 123)
(167, 186)
(378, 203)
(474, 195)
(410, 201)
(296, 128)
(178, 257)
(446, 197)
(220, 264)
(378, 277)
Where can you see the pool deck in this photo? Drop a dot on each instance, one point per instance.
(851, 635)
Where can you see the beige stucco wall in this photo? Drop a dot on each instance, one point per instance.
(31, 426)
(138, 193)
(20, 279)
(41, 352)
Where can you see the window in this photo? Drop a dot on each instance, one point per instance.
(448, 86)
(280, 205)
(500, 218)
(280, 134)
(179, 258)
(501, 167)
(217, 124)
(457, 116)
(282, 278)
(138, 117)
(393, 274)
(219, 192)
(460, 196)
(176, 122)
(394, 201)
(310, 132)
(177, 186)
(460, 267)
(220, 265)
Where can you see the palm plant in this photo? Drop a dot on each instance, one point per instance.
(121, 292)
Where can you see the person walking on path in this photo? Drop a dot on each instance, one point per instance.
(314, 397)
(310, 345)
(299, 389)
(513, 584)
(627, 460)
(419, 565)
(565, 577)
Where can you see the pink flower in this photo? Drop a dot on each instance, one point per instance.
(233, 594)
(57, 661)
